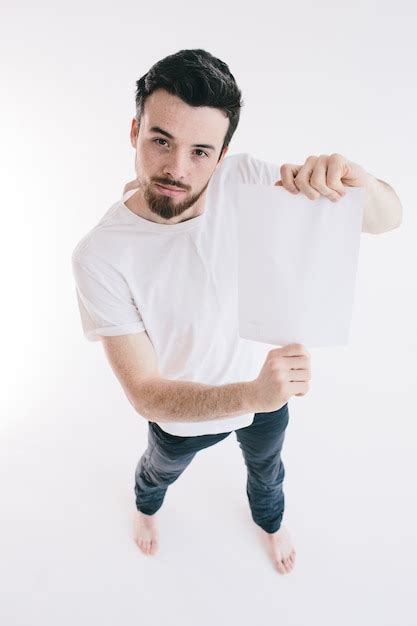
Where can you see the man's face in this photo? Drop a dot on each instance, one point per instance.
(185, 161)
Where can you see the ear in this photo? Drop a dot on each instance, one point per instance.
(222, 155)
(134, 129)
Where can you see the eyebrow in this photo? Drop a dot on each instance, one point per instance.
(156, 129)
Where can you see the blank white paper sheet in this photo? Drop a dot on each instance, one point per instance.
(297, 264)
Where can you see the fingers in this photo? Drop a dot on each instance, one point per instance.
(299, 388)
(288, 172)
(333, 175)
(299, 376)
(301, 180)
(297, 362)
(318, 176)
(320, 181)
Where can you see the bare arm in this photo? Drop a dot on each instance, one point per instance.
(166, 400)
(133, 360)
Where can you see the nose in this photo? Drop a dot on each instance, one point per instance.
(176, 168)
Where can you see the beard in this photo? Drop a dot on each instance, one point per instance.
(168, 207)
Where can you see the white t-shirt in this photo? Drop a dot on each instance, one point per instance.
(179, 283)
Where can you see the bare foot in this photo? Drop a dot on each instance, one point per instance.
(145, 532)
(280, 549)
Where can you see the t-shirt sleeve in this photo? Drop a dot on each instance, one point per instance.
(105, 302)
(245, 168)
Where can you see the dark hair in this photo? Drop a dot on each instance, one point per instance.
(199, 79)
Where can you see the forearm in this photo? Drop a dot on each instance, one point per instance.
(382, 207)
(166, 400)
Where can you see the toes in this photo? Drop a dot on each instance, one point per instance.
(292, 559)
(280, 566)
(148, 546)
(143, 546)
(285, 565)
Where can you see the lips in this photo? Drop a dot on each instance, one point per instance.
(169, 187)
(169, 191)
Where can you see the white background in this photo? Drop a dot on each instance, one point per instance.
(316, 79)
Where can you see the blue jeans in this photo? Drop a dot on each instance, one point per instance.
(167, 456)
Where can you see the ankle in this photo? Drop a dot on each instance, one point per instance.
(145, 515)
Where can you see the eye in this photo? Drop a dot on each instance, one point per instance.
(197, 149)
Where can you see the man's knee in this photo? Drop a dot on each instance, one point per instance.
(164, 466)
(269, 472)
